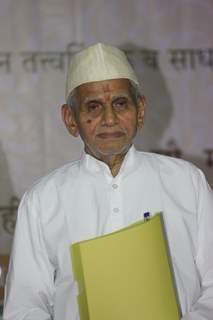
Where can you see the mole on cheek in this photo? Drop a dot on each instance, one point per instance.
(89, 121)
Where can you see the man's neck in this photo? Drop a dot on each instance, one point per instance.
(114, 162)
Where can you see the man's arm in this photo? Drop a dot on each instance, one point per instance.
(30, 280)
(203, 307)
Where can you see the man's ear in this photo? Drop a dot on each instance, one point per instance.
(141, 103)
(68, 116)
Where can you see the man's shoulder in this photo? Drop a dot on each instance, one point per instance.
(170, 166)
(55, 180)
(178, 177)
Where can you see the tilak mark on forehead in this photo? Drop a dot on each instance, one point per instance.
(106, 90)
(106, 87)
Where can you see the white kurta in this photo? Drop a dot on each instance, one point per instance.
(82, 200)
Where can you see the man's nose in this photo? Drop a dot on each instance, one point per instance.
(109, 117)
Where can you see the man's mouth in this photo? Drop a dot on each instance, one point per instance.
(110, 135)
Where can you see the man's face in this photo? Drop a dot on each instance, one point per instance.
(107, 117)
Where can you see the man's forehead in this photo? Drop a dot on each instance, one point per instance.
(104, 87)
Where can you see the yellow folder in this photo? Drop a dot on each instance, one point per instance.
(126, 275)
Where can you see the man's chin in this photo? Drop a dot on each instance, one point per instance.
(110, 152)
(103, 151)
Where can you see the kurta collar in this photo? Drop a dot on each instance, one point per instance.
(93, 165)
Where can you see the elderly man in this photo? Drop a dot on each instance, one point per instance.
(107, 189)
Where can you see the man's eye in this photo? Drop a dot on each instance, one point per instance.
(93, 107)
(121, 104)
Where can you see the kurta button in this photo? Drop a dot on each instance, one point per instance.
(115, 186)
(115, 210)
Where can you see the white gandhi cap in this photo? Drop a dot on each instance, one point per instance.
(97, 63)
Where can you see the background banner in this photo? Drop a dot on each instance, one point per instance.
(168, 42)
